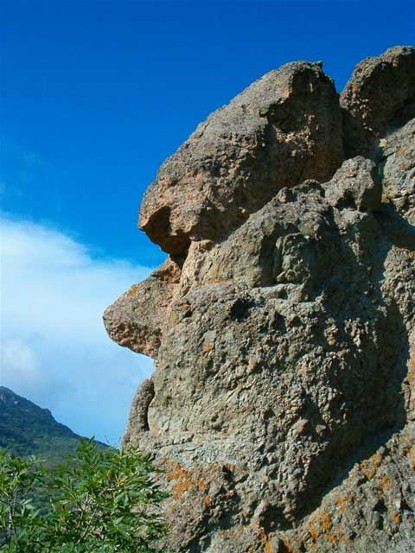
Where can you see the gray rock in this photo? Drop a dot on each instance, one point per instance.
(282, 408)
(138, 419)
(283, 129)
(398, 170)
(380, 95)
(135, 320)
(356, 184)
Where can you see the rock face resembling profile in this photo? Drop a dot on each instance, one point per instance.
(282, 406)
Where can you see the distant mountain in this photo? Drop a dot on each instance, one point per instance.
(27, 429)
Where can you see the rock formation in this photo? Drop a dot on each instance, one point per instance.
(282, 406)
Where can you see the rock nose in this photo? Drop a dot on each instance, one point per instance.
(137, 318)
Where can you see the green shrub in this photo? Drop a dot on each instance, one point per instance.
(101, 501)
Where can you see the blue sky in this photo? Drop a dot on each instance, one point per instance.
(94, 96)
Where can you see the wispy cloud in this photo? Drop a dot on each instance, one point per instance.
(54, 349)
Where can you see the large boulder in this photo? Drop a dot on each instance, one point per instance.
(282, 406)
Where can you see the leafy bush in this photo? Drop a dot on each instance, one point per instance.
(101, 501)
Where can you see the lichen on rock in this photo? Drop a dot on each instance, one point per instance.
(282, 324)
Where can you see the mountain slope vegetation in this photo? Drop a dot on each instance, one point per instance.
(27, 429)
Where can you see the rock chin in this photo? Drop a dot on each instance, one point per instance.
(282, 407)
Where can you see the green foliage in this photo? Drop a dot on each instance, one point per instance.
(102, 501)
(18, 517)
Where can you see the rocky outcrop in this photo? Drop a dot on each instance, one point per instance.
(378, 97)
(135, 320)
(282, 407)
(283, 129)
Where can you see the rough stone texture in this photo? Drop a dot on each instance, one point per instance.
(398, 170)
(282, 407)
(379, 95)
(135, 320)
(283, 129)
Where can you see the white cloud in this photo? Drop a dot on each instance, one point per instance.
(54, 348)
(19, 363)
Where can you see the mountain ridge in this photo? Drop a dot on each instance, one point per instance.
(27, 429)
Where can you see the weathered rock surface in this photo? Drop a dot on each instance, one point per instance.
(379, 96)
(282, 407)
(283, 129)
(135, 320)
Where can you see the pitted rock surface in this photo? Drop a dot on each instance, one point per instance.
(379, 97)
(283, 129)
(282, 406)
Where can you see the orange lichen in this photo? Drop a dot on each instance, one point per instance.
(288, 547)
(411, 456)
(370, 466)
(178, 473)
(342, 502)
(185, 481)
(233, 533)
(326, 523)
(133, 291)
(268, 548)
(180, 488)
(385, 482)
(321, 524)
(313, 530)
(396, 517)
